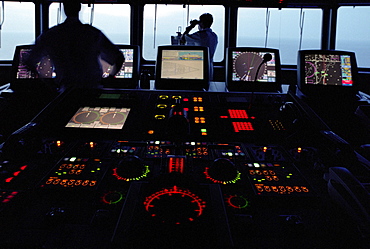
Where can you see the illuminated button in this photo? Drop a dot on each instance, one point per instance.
(163, 96)
(176, 97)
(161, 106)
(305, 189)
(159, 117)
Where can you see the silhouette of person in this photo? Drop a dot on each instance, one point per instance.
(75, 50)
(204, 37)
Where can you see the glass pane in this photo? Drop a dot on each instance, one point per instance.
(18, 27)
(284, 30)
(353, 32)
(158, 28)
(112, 19)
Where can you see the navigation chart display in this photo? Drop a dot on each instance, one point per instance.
(245, 66)
(182, 64)
(99, 117)
(328, 69)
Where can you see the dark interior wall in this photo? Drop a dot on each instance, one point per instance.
(5, 72)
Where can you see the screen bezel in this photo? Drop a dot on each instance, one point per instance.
(324, 89)
(182, 84)
(233, 85)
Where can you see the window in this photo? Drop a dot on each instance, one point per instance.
(112, 19)
(284, 30)
(163, 21)
(18, 27)
(353, 32)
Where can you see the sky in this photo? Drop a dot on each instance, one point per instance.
(160, 23)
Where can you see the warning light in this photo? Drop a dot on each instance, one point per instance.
(150, 132)
(23, 167)
(299, 149)
(9, 179)
(59, 143)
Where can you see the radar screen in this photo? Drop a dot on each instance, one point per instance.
(99, 117)
(245, 66)
(127, 68)
(328, 69)
(44, 68)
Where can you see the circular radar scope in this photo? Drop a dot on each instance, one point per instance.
(174, 206)
(131, 168)
(246, 65)
(112, 118)
(85, 117)
(222, 171)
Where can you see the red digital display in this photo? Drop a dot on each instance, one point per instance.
(242, 126)
(237, 115)
(176, 164)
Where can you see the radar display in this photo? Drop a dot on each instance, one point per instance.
(245, 67)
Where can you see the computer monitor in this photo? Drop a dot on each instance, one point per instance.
(128, 76)
(253, 69)
(44, 69)
(326, 71)
(182, 68)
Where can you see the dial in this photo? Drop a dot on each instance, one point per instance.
(174, 205)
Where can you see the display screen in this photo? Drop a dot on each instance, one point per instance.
(245, 65)
(328, 69)
(45, 68)
(182, 64)
(127, 68)
(99, 117)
